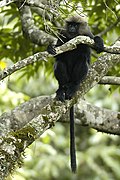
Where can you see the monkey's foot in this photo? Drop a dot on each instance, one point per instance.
(69, 95)
(60, 95)
(70, 92)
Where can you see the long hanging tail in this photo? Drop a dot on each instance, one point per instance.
(72, 141)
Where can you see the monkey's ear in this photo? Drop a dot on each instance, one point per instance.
(51, 49)
(99, 44)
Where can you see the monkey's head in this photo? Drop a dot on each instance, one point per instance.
(75, 26)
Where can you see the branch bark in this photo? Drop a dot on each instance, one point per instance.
(101, 119)
(112, 80)
(6, 2)
(87, 114)
(36, 3)
(65, 47)
(30, 30)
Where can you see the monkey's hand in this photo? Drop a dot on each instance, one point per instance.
(99, 44)
(51, 49)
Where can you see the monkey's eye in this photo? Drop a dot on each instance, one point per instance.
(76, 26)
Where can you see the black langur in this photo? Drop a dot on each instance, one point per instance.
(71, 67)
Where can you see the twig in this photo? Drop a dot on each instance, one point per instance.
(110, 80)
(109, 27)
(6, 2)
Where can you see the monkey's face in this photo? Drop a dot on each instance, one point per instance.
(73, 29)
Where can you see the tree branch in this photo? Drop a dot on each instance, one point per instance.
(113, 80)
(88, 115)
(6, 2)
(98, 118)
(72, 44)
(30, 30)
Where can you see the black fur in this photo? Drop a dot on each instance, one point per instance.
(71, 68)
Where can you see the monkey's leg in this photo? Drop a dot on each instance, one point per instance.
(71, 90)
(77, 76)
(61, 75)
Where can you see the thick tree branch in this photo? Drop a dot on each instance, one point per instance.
(98, 118)
(30, 30)
(101, 119)
(87, 114)
(65, 47)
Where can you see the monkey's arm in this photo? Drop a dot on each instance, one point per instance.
(99, 44)
(51, 47)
